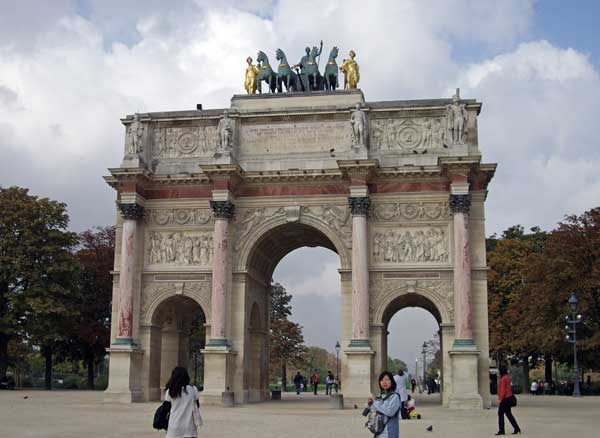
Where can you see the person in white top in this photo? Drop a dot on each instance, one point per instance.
(402, 380)
(185, 417)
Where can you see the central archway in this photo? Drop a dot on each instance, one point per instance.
(424, 299)
(262, 256)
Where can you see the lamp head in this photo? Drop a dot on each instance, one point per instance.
(573, 302)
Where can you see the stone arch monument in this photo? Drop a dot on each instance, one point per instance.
(203, 219)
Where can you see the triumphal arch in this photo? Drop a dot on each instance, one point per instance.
(209, 201)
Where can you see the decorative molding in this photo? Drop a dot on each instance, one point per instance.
(398, 211)
(383, 291)
(131, 211)
(410, 245)
(337, 217)
(460, 203)
(184, 141)
(222, 209)
(247, 220)
(154, 294)
(178, 216)
(359, 205)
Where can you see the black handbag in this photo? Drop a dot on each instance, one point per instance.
(161, 416)
(512, 401)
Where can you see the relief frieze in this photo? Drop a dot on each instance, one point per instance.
(410, 245)
(398, 211)
(185, 141)
(178, 216)
(407, 133)
(179, 248)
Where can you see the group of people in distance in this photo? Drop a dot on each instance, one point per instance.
(301, 383)
(185, 418)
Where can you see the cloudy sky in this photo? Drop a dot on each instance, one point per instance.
(70, 69)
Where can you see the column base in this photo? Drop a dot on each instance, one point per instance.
(465, 382)
(357, 383)
(124, 375)
(218, 371)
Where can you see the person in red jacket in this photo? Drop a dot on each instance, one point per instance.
(505, 398)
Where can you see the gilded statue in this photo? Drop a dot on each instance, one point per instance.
(351, 72)
(251, 75)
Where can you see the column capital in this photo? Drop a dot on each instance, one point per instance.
(460, 203)
(131, 211)
(222, 209)
(359, 205)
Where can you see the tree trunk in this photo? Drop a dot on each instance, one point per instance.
(90, 371)
(548, 367)
(47, 352)
(526, 374)
(3, 355)
(283, 377)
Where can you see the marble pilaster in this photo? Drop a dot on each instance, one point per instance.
(360, 271)
(223, 212)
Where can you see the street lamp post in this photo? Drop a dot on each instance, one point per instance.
(337, 360)
(424, 351)
(571, 337)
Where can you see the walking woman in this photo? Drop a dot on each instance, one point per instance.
(387, 404)
(506, 400)
(185, 407)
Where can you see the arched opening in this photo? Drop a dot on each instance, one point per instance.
(178, 336)
(292, 254)
(412, 334)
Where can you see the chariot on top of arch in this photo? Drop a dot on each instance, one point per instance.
(305, 76)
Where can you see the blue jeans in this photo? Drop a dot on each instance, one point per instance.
(298, 388)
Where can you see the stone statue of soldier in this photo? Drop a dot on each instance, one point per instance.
(358, 121)
(134, 140)
(225, 134)
(456, 120)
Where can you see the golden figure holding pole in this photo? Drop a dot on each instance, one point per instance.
(251, 75)
(351, 72)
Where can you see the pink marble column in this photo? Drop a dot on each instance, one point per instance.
(131, 214)
(223, 212)
(463, 319)
(360, 272)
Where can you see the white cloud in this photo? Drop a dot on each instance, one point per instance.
(540, 110)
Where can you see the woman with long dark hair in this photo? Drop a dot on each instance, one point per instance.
(388, 404)
(185, 407)
(506, 400)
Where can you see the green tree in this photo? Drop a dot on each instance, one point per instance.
(91, 332)
(393, 365)
(286, 339)
(37, 273)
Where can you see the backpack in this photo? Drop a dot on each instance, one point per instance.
(161, 416)
(377, 421)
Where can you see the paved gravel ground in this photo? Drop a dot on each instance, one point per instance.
(68, 414)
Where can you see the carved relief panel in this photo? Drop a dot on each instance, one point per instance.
(410, 245)
(407, 133)
(183, 248)
(178, 216)
(184, 142)
(417, 211)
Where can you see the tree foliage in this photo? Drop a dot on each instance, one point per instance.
(91, 330)
(531, 278)
(37, 272)
(286, 339)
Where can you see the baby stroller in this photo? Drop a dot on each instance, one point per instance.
(411, 410)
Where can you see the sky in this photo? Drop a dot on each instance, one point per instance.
(69, 70)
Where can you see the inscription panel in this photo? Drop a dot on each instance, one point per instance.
(288, 138)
